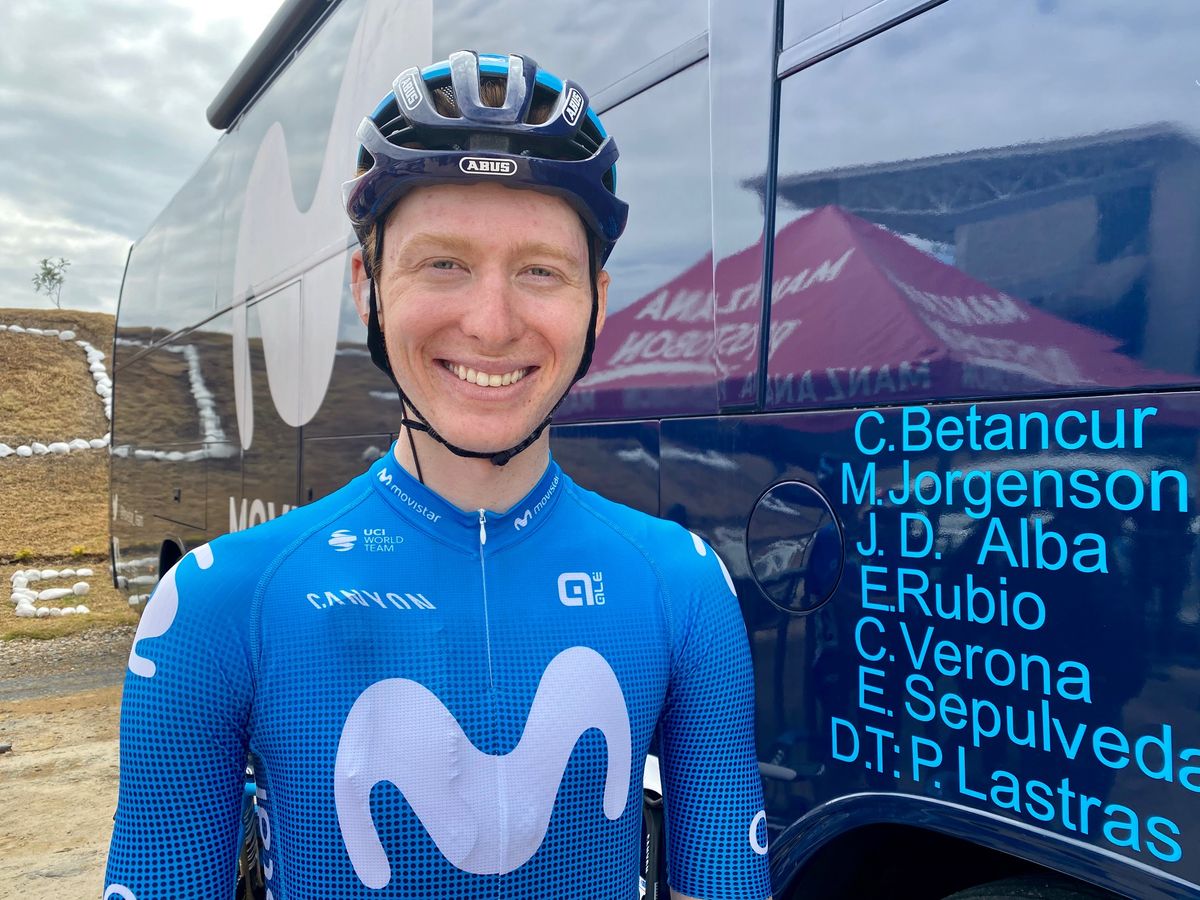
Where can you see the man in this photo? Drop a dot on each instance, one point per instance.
(467, 716)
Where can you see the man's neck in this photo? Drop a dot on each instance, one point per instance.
(472, 484)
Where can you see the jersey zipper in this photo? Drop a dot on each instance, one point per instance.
(501, 788)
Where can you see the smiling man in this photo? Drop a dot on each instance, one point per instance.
(469, 715)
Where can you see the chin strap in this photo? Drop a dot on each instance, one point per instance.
(378, 350)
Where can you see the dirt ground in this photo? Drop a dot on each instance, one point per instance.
(59, 703)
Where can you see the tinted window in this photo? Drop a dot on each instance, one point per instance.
(655, 355)
(981, 202)
(191, 235)
(593, 43)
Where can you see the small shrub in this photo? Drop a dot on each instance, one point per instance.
(77, 551)
(23, 554)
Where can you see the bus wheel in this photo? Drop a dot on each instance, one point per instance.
(1032, 887)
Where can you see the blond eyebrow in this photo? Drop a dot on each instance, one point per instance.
(453, 243)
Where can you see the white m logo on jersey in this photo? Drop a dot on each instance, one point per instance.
(398, 731)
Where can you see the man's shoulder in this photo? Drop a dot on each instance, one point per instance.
(669, 546)
(252, 552)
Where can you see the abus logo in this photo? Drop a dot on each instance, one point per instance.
(478, 165)
(574, 106)
(459, 805)
(342, 540)
(410, 91)
(581, 589)
(521, 521)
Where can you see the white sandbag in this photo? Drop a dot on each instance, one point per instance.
(3, 328)
(6, 450)
(31, 576)
(78, 444)
(24, 594)
(68, 610)
(26, 612)
(66, 573)
(98, 443)
(55, 612)
(81, 609)
(19, 580)
(80, 588)
(34, 331)
(39, 449)
(43, 611)
(54, 593)
(58, 448)
(83, 573)
(50, 332)
(17, 329)
(25, 450)
(49, 573)
(66, 335)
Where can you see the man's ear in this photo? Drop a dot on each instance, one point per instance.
(602, 282)
(358, 285)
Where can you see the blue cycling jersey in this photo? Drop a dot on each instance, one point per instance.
(440, 704)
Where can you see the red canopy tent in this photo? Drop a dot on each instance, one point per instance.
(858, 315)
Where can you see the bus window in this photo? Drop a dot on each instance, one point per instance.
(596, 43)
(1024, 224)
(655, 355)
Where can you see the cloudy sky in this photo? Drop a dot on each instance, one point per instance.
(101, 120)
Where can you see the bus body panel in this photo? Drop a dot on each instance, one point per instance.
(897, 275)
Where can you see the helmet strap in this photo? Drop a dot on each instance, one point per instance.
(378, 350)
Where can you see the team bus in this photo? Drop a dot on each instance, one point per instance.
(906, 325)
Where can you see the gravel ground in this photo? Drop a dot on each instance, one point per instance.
(42, 668)
(59, 703)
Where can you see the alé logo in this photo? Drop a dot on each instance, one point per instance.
(581, 589)
(466, 809)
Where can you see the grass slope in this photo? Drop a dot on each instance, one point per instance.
(55, 507)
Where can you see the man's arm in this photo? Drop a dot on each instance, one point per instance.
(183, 740)
(712, 790)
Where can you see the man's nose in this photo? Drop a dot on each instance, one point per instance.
(491, 315)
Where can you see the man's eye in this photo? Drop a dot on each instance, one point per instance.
(541, 271)
(444, 264)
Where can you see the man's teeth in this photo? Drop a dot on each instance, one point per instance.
(483, 379)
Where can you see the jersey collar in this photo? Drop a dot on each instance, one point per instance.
(435, 515)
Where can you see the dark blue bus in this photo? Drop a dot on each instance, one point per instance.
(906, 324)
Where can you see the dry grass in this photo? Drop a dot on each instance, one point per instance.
(56, 507)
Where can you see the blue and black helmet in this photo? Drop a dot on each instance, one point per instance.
(543, 136)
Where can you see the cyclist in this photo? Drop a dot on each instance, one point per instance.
(466, 715)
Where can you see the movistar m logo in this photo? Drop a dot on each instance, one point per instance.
(394, 722)
(159, 615)
(385, 478)
(520, 522)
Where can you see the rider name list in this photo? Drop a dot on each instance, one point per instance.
(985, 538)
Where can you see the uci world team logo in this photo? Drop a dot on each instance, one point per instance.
(342, 540)
(394, 723)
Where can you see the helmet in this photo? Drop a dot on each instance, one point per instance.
(407, 142)
(544, 136)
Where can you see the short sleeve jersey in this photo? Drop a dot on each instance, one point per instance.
(440, 703)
